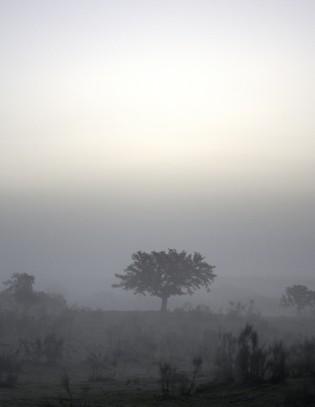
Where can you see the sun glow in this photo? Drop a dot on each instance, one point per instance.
(135, 100)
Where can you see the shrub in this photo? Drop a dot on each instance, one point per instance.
(49, 349)
(53, 348)
(277, 362)
(66, 384)
(236, 309)
(167, 378)
(97, 362)
(9, 368)
(251, 358)
(253, 313)
(241, 358)
(170, 346)
(71, 398)
(173, 382)
(32, 350)
(225, 357)
(103, 365)
(302, 363)
(197, 363)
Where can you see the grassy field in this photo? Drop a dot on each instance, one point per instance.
(81, 357)
(44, 389)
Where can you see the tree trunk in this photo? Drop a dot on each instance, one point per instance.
(164, 304)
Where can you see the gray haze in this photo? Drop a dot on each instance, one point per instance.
(136, 125)
(76, 245)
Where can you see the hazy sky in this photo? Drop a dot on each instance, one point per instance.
(129, 125)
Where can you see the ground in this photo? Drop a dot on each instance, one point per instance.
(113, 359)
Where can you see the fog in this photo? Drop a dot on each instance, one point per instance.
(132, 126)
(74, 242)
(157, 203)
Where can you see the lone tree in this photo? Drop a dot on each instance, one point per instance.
(20, 290)
(299, 296)
(20, 286)
(163, 274)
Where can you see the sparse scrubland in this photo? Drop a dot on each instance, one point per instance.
(53, 354)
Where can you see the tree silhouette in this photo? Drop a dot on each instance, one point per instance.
(299, 296)
(20, 286)
(164, 274)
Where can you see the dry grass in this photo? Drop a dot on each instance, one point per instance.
(131, 346)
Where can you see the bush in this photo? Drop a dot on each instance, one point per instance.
(32, 350)
(236, 309)
(170, 346)
(197, 363)
(251, 358)
(277, 362)
(302, 363)
(9, 368)
(172, 381)
(103, 365)
(70, 397)
(225, 357)
(50, 349)
(167, 378)
(53, 348)
(242, 358)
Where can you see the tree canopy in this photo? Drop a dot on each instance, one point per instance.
(164, 274)
(299, 296)
(20, 286)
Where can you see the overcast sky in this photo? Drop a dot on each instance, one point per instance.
(141, 125)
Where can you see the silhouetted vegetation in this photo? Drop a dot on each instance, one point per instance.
(10, 366)
(298, 296)
(164, 274)
(192, 351)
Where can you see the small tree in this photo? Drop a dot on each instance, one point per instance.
(20, 286)
(164, 274)
(299, 296)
